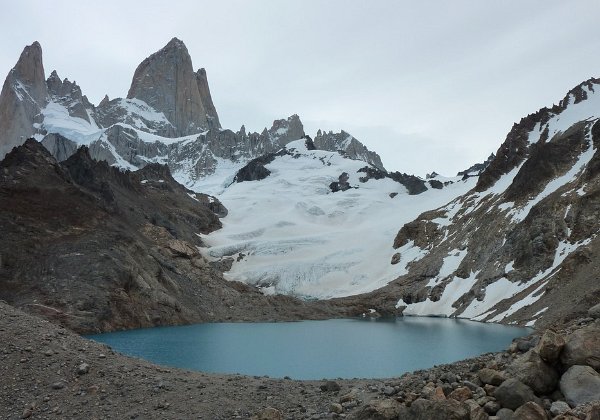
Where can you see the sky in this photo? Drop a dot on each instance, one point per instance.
(430, 86)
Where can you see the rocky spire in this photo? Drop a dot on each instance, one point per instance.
(166, 81)
(207, 102)
(24, 93)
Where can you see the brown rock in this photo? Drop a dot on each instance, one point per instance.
(530, 411)
(582, 347)
(182, 249)
(491, 376)
(461, 394)
(379, 410)
(268, 413)
(550, 346)
(438, 394)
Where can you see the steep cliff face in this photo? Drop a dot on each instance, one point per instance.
(166, 81)
(23, 95)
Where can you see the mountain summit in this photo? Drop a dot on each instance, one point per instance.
(23, 95)
(167, 82)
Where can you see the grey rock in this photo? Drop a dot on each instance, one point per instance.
(582, 347)
(594, 311)
(83, 369)
(550, 346)
(268, 413)
(491, 407)
(530, 411)
(60, 147)
(505, 414)
(534, 372)
(387, 409)
(513, 393)
(348, 144)
(580, 384)
(330, 386)
(559, 407)
(491, 376)
(422, 409)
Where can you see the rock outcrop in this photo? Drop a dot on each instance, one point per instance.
(167, 82)
(347, 144)
(23, 95)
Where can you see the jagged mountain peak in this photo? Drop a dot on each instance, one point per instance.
(30, 70)
(167, 82)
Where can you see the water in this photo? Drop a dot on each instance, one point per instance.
(340, 348)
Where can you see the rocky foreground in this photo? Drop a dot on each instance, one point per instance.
(49, 372)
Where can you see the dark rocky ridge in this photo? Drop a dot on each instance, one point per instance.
(97, 249)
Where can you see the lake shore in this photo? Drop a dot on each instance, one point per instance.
(51, 372)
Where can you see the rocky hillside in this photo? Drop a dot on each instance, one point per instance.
(522, 246)
(97, 249)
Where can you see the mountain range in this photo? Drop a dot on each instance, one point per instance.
(513, 239)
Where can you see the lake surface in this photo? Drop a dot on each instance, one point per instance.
(339, 348)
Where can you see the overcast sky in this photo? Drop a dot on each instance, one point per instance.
(431, 85)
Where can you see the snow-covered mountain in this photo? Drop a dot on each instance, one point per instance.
(168, 117)
(513, 239)
(317, 223)
(523, 245)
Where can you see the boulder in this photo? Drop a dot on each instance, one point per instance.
(268, 413)
(530, 411)
(559, 407)
(580, 384)
(513, 393)
(505, 414)
(534, 372)
(491, 376)
(582, 347)
(330, 386)
(475, 411)
(594, 311)
(380, 410)
(422, 409)
(550, 346)
(461, 394)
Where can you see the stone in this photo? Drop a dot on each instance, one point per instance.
(594, 311)
(448, 377)
(396, 258)
(57, 385)
(491, 407)
(422, 409)
(330, 386)
(505, 414)
(336, 408)
(475, 411)
(461, 394)
(438, 394)
(83, 368)
(387, 409)
(580, 384)
(388, 391)
(491, 376)
(582, 347)
(530, 411)
(513, 393)
(534, 372)
(559, 407)
(182, 248)
(550, 346)
(268, 413)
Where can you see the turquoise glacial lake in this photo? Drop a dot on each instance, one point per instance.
(339, 348)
